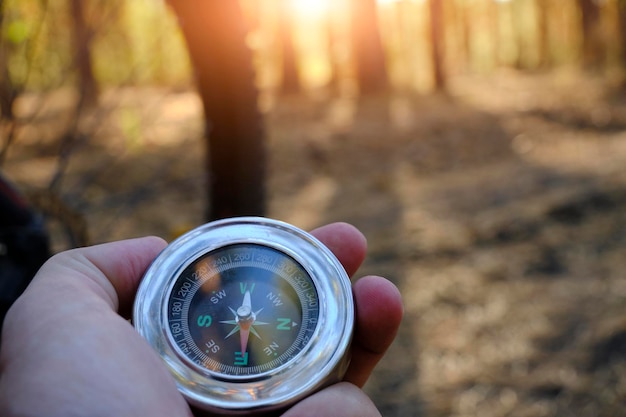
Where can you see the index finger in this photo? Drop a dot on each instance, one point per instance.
(346, 242)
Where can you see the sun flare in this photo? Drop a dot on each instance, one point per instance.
(310, 7)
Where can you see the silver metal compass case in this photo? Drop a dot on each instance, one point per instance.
(318, 362)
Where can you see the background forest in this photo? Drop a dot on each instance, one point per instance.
(479, 144)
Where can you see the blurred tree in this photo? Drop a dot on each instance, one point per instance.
(215, 34)
(517, 14)
(82, 39)
(331, 38)
(592, 48)
(496, 13)
(367, 47)
(290, 80)
(459, 11)
(8, 92)
(437, 33)
(467, 31)
(519, 32)
(621, 12)
(543, 11)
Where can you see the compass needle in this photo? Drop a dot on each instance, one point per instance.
(246, 300)
(246, 276)
(245, 334)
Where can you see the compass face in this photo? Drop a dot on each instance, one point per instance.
(242, 310)
(248, 314)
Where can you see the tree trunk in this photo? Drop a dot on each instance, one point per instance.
(368, 48)
(621, 11)
(331, 42)
(592, 51)
(87, 84)
(290, 80)
(215, 35)
(437, 35)
(494, 15)
(8, 92)
(466, 30)
(543, 13)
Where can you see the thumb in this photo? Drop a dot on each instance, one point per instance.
(111, 271)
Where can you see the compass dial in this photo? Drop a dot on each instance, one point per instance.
(248, 314)
(242, 310)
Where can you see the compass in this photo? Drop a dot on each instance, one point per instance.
(248, 314)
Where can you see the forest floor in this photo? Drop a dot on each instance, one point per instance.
(499, 210)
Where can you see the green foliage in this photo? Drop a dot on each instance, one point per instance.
(144, 46)
(133, 42)
(17, 32)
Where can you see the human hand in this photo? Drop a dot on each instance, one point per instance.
(67, 349)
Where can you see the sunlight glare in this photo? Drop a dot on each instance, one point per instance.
(388, 2)
(310, 7)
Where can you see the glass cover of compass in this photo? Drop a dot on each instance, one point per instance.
(249, 314)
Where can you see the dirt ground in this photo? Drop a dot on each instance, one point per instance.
(498, 209)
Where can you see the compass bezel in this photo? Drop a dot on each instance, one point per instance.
(321, 362)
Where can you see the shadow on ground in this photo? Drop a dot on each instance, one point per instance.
(499, 211)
